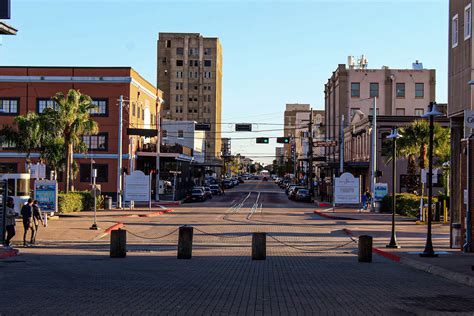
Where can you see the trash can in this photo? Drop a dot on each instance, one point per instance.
(456, 235)
(107, 203)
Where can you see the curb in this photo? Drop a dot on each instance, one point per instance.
(428, 268)
(156, 213)
(9, 253)
(169, 203)
(108, 230)
(334, 217)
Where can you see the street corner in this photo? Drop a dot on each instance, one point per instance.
(6, 252)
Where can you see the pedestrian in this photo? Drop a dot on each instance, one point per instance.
(37, 218)
(368, 196)
(27, 215)
(10, 221)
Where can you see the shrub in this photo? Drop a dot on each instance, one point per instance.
(407, 204)
(78, 201)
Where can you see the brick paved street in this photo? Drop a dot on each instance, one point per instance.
(311, 266)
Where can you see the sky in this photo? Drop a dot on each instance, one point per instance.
(274, 52)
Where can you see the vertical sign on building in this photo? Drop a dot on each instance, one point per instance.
(3, 201)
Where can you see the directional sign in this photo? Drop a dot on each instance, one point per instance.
(243, 127)
(202, 127)
(325, 143)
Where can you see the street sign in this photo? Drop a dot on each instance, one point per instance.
(202, 127)
(469, 118)
(346, 190)
(325, 143)
(283, 140)
(381, 190)
(243, 127)
(137, 187)
(320, 158)
(262, 140)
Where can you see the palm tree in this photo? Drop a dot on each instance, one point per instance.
(414, 145)
(70, 119)
(26, 133)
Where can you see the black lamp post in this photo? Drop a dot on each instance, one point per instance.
(429, 251)
(393, 137)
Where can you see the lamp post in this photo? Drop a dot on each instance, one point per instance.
(429, 251)
(393, 136)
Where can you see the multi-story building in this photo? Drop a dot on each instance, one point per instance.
(29, 89)
(352, 89)
(280, 155)
(190, 75)
(460, 99)
(290, 124)
(185, 134)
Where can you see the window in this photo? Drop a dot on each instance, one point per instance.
(179, 86)
(102, 172)
(138, 112)
(207, 74)
(190, 74)
(193, 51)
(467, 22)
(207, 51)
(8, 167)
(400, 112)
(9, 106)
(8, 145)
(190, 98)
(207, 63)
(355, 89)
(419, 112)
(168, 43)
(42, 104)
(164, 133)
(371, 111)
(454, 31)
(179, 51)
(196, 75)
(400, 90)
(133, 109)
(179, 63)
(101, 107)
(195, 99)
(180, 134)
(179, 74)
(163, 61)
(353, 111)
(374, 90)
(419, 90)
(96, 142)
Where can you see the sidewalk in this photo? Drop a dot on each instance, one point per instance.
(451, 264)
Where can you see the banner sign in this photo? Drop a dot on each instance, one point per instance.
(46, 192)
(347, 189)
(3, 202)
(381, 190)
(137, 187)
(323, 143)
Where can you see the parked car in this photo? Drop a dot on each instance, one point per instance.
(288, 188)
(196, 195)
(240, 180)
(208, 192)
(227, 184)
(215, 189)
(293, 191)
(303, 195)
(235, 181)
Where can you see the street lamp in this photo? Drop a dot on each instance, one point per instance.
(393, 136)
(429, 251)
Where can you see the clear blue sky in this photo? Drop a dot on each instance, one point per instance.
(274, 52)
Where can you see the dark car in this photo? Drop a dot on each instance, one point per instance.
(208, 192)
(228, 184)
(303, 195)
(196, 195)
(241, 180)
(215, 189)
(293, 191)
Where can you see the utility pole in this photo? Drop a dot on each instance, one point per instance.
(310, 154)
(119, 161)
(374, 153)
(158, 148)
(341, 151)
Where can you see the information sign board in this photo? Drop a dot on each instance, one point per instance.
(46, 192)
(381, 190)
(137, 187)
(347, 189)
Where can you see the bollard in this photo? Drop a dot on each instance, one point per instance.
(365, 248)
(118, 243)
(259, 246)
(185, 242)
(437, 216)
(445, 212)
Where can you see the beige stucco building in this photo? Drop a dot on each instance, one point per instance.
(190, 75)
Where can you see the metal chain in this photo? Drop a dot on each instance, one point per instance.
(159, 237)
(222, 236)
(308, 250)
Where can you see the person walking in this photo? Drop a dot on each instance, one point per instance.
(37, 218)
(10, 221)
(27, 215)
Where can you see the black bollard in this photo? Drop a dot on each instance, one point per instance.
(185, 242)
(437, 217)
(118, 243)
(259, 246)
(365, 248)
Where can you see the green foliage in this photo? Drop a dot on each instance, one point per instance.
(407, 204)
(78, 201)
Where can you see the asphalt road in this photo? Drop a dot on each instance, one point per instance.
(311, 267)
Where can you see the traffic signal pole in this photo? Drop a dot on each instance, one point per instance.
(310, 154)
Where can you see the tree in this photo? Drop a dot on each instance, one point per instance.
(414, 146)
(26, 134)
(70, 120)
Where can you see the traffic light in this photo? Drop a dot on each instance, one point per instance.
(283, 140)
(262, 140)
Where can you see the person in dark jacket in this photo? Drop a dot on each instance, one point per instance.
(27, 215)
(37, 218)
(10, 221)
